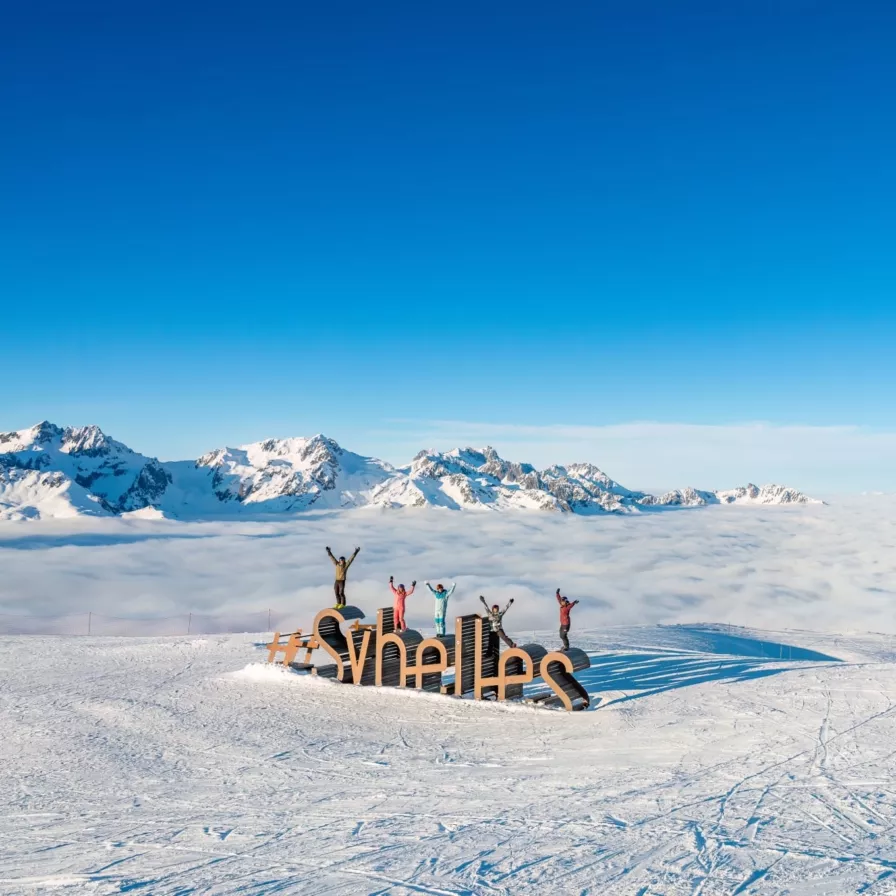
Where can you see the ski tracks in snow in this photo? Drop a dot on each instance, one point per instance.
(144, 767)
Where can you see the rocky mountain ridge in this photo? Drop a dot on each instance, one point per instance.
(51, 471)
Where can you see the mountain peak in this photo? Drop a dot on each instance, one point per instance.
(46, 431)
(90, 441)
(297, 444)
(766, 494)
(42, 433)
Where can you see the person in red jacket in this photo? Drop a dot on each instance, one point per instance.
(565, 609)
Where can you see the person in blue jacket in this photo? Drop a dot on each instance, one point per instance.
(441, 609)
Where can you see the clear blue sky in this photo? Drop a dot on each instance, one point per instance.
(226, 221)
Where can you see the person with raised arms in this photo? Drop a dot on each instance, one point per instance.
(342, 566)
(565, 609)
(441, 608)
(401, 595)
(496, 620)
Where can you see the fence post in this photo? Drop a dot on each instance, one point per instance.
(269, 618)
(189, 622)
(89, 620)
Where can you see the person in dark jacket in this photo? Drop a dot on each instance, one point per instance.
(342, 566)
(565, 609)
(496, 620)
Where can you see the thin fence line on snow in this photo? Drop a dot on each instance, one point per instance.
(126, 626)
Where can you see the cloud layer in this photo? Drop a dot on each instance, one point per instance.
(820, 568)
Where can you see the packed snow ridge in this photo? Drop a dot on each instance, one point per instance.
(50, 471)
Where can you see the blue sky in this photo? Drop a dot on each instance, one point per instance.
(227, 221)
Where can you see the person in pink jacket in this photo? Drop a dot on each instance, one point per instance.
(400, 596)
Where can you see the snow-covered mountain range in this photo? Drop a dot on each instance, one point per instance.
(50, 471)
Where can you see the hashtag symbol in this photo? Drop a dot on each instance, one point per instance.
(288, 649)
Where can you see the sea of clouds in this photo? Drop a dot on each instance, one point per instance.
(824, 568)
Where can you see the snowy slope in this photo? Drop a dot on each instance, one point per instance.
(88, 466)
(294, 474)
(99, 474)
(719, 764)
(32, 494)
(472, 478)
(767, 494)
(688, 497)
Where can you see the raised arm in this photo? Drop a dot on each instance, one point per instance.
(488, 609)
(352, 558)
(451, 589)
(509, 603)
(410, 591)
(559, 598)
(330, 555)
(436, 593)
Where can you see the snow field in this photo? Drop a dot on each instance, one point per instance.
(722, 760)
(182, 766)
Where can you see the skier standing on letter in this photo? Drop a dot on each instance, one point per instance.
(342, 566)
(565, 608)
(400, 596)
(496, 620)
(441, 608)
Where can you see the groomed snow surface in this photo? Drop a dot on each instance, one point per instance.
(723, 759)
(181, 766)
